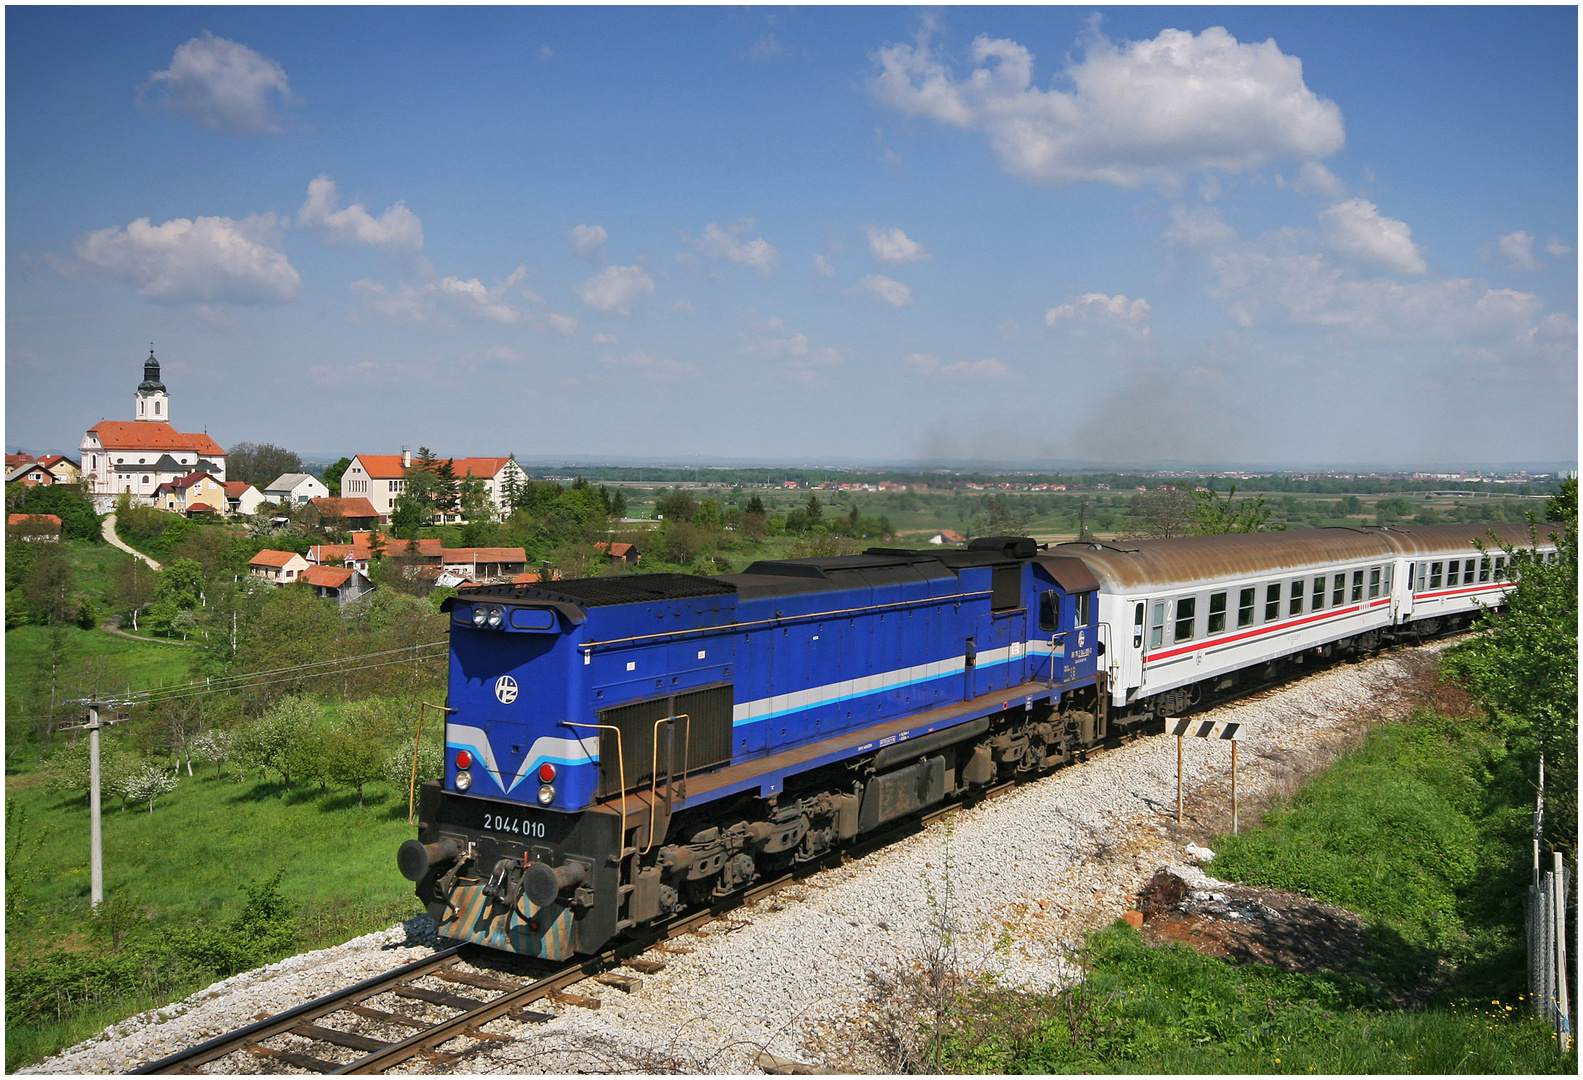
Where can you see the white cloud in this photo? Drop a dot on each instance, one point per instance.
(606, 339)
(795, 356)
(397, 229)
(725, 242)
(1203, 225)
(589, 240)
(887, 289)
(223, 85)
(1516, 251)
(1097, 309)
(614, 289)
(765, 47)
(653, 368)
(894, 246)
(205, 260)
(1356, 229)
(1144, 111)
(823, 265)
(682, 307)
(1556, 248)
(441, 303)
(776, 342)
(962, 370)
(1314, 178)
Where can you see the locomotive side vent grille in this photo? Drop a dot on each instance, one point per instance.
(709, 739)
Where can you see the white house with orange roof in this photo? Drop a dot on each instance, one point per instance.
(137, 456)
(277, 567)
(382, 478)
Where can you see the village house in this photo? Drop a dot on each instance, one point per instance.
(196, 493)
(946, 536)
(295, 488)
(345, 513)
(382, 478)
(620, 552)
(277, 567)
(339, 583)
(41, 528)
(485, 564)
(136, 456)
(242, 498)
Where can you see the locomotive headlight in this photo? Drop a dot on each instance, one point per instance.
(479, 614)
(464, 780)
(546, 794)
(495, 617)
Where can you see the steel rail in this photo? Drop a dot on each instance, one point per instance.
(232, 1041)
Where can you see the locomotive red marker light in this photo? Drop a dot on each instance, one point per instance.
(463, 759)
(546, 772)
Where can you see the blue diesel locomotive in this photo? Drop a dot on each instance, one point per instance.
(619, 749)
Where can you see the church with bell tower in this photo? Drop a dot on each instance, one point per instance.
(136, 456)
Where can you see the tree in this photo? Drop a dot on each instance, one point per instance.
(1213, 515)
(447, 493)
(333, 474)
(51, 587)
(146, 783)
(756, 505)
(1523, 667)
(1165, 511)
(177, 723)
(354, 761)
(1563, 505)
(260, 463)
(473, 497)
(215, 746)
(268, 744)
(132, 587)
(78, 520)
(679, 506)
(1001, 517)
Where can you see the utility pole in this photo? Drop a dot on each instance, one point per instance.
(93, 724)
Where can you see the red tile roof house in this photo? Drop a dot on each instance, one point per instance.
(486, 564)
(242, 497)
(40, 527)
(346, 513)
(30, 474)
(627, 553)
(381, 478)
(195, 493)
(340, 583)
(277, 567)
(413, 553)
(946, 536)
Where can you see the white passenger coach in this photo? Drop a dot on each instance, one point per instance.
(1189, 616)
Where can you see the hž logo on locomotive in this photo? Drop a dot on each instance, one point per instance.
(506, 689)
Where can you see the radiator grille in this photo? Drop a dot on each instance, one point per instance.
(708, 730)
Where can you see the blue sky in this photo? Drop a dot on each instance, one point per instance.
(1131, 235)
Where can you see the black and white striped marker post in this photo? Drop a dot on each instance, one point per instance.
(1206, 729)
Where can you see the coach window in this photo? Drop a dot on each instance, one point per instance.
(1185, 611)
(1272, 602)
(1435, 575)
(1484, 570)
(1295, 605)
(1500, 568)
(1319, 593)
(1357, 586)
(1338, 595)
(1157, 626)
(1137, 627)
(1452, 569)
(1217, 613)
(1467, 572)
(1385, 581)
(1049, 610)
(1374, 582)
(1245, 601)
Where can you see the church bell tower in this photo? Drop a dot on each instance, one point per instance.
(153, 403)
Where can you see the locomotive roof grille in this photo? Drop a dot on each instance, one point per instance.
(606, 592)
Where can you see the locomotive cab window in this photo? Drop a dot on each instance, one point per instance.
(1272, 602)
(1185, 611)
(1295, 607)
(1217, 613)
(1245, 601)
(1157, 626)
(1049, 610)
(1084, 604)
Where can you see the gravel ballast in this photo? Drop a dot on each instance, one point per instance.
(1018, 881)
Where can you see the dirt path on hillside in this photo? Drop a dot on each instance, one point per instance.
(115, 541)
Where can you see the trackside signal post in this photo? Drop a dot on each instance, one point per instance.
(92, 725)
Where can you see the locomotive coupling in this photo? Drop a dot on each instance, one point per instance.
(415, 859)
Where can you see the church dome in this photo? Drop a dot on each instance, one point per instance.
(151, 383)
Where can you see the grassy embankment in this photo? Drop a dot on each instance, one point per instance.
(1416, 833)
